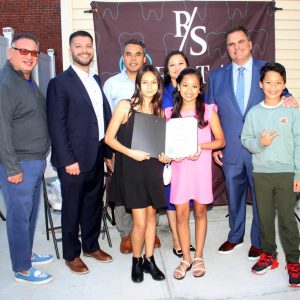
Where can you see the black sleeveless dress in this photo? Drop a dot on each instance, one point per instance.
(136, 184)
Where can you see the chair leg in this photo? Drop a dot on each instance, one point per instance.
(107, 185)
(111, 218)
(297, 217)
(46, 210)
(105, 227)
(48, 216)
(298, 206)
(2, 216)
(105, 216)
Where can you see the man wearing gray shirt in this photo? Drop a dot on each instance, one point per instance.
(116, 88)
(24, 144)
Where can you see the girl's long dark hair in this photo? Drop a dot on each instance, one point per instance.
(167, 78)
(200, 106)
(157, 98)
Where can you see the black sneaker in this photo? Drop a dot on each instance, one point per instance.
(266, 262)
(294, 274)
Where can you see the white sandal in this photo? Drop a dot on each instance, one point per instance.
(198, 266)
(180, 270)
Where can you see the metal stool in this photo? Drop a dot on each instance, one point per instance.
(49, 220)
(105, 214)
(51, 228)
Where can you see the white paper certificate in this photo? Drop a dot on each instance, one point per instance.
(181, 137)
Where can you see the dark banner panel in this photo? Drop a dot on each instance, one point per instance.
(195, 27)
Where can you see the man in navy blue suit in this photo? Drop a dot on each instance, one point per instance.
(234, 158)
(78, 114)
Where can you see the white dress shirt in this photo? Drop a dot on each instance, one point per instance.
(95, 95)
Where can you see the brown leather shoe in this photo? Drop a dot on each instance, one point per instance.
(228, 247)
(254, 253)
(125, 245)
(77, 266)
(157, 242)
(99, 255)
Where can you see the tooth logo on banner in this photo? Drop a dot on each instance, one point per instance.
(184, 22)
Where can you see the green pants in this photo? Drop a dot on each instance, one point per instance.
(274, 191)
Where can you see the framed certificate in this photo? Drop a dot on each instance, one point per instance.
(176, 138)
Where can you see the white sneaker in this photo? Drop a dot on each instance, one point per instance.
(34, 277)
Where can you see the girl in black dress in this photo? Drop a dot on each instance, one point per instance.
(137, 180)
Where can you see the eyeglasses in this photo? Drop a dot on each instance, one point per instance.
(33, 53)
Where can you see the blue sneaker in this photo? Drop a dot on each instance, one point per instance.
(34, 276)
(39, 259)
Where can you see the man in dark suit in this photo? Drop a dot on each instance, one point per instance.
(235, 159)
(78, 114)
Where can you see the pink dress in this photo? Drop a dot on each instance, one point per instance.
(193, 179)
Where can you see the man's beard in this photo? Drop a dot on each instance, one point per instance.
(80, 62)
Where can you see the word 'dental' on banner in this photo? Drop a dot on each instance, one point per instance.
(195, 27)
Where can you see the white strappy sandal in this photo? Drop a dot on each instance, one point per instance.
(198, 267)
(181, 271)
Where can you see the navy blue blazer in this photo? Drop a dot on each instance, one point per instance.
(221, 92)
(72, 122)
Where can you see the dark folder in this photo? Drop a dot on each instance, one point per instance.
(149, 134)
(153, 135)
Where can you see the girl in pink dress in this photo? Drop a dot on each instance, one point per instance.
(191, 176)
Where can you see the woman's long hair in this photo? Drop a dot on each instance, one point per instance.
(167, 78)
(157, 98)
(200, 106)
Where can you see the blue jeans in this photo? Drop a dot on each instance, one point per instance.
(22, 202)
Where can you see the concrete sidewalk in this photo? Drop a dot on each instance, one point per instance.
(227, 276)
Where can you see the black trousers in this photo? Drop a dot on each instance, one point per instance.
(82, 208)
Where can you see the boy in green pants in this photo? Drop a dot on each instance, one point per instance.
(272, 133)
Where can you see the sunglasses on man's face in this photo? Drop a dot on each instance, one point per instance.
(33, 53)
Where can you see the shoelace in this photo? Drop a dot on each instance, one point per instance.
(293, 270)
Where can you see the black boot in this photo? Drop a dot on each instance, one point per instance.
(150, 266)
(137, 274)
